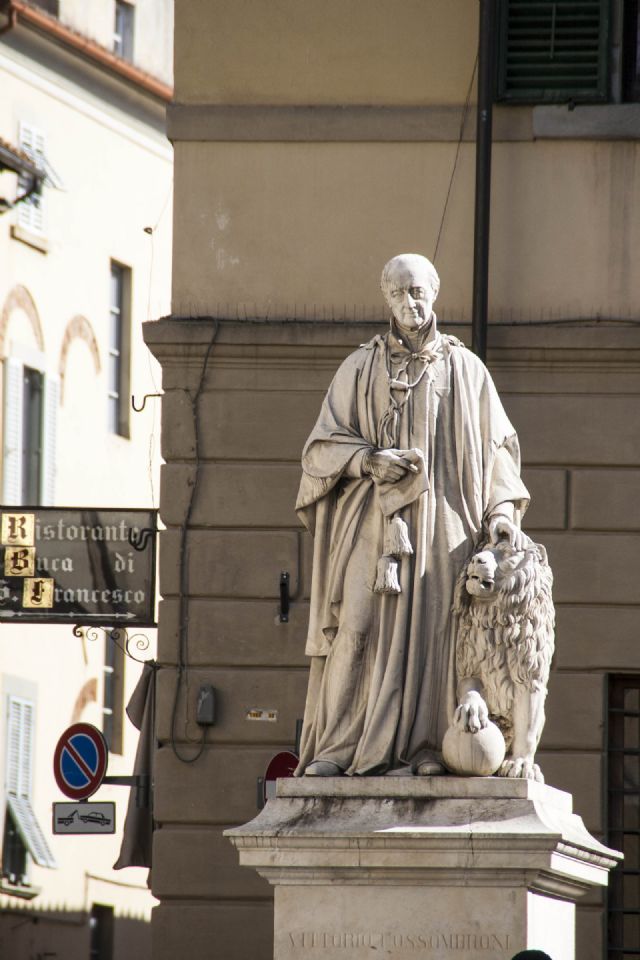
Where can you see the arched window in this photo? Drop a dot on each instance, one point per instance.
(30, 394)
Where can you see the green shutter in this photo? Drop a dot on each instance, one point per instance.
(553, 51)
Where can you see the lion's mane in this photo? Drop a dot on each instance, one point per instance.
(507, 640)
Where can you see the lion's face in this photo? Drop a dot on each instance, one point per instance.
(488, 569)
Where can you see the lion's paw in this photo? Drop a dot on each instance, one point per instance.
(521, 768)
(472, 714)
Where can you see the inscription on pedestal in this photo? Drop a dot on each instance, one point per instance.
(402, 942)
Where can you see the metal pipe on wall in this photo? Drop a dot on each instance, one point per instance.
(486, 61)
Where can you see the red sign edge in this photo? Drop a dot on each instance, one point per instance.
(81, 793)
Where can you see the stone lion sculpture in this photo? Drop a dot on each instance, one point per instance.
(504, 647)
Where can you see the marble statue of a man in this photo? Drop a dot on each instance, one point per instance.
(411, 462)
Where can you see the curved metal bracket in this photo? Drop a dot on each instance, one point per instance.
(120, 637)
(140, 538)
(147, 396)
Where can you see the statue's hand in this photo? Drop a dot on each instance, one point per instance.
(472, 714)
(501, 528)
(387, 466)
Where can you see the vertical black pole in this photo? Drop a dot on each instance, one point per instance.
(486, 48)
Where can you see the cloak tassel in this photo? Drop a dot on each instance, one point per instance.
(396, 541)
(387, 576)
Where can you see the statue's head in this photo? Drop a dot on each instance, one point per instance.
(410, 286)
(499, 567)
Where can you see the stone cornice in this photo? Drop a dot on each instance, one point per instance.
(587, 345)
(482, 831)
(402, 124)
(326, 123)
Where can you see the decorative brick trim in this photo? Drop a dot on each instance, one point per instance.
(20, 299)
(88, 694)
(78, 328)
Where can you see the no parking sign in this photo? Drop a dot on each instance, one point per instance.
(80, 761)
(282, 765)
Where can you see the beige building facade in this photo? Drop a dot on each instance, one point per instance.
(82, 265)
(312, 143)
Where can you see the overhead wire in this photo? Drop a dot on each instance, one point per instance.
(463, 121)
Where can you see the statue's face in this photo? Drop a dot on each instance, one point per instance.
(410, 295)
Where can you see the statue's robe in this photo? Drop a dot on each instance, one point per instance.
(382, 682)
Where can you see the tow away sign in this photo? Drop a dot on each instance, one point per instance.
(84, 817)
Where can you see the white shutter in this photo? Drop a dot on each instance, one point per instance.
(12, 433)
(20, 735)
(26, 751)
(49, 440)
(31, 211)
(13, 746)
(27, 138)
(19, 747)
(26, 144)
(37, 200)
(31, 833)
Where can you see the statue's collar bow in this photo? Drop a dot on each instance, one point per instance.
(401, 351)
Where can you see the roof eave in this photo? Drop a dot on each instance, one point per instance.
(19, 12)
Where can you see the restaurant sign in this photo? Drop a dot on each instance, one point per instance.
(80, 566)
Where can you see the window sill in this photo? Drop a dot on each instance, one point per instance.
(34, 240)
(20, 890)
(610, 121)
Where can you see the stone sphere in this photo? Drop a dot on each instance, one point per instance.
(473, 754)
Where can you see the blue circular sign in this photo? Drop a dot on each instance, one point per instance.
(80, 761)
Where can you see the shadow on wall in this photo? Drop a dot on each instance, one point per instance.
(28, 934)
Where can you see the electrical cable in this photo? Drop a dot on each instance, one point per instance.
(151, 233)
(463, 121)
(183, 617)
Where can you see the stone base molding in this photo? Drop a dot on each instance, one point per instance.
(438, 867)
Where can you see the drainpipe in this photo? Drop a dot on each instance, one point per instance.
(486, 58)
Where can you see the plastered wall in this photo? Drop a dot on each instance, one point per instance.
(290, 229)
(358, 51)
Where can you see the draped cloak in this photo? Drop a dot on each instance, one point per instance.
(392, 655)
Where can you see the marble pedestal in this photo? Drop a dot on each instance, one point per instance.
(445, 868)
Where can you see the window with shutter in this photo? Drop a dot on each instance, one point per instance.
(631, 51)
(553, 51)
(623, 821)
(31, 211)
(19, 754)
(32, 434)
(31, 400)
(12, 423)
(51, 6)
(118, 370)
(123, 30)
(22, 833)
(49, 440)
(113, 695)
